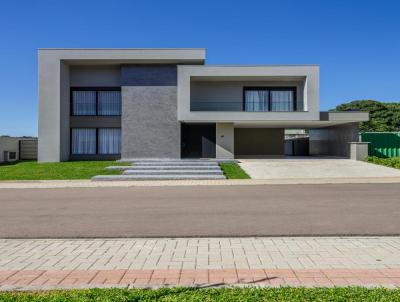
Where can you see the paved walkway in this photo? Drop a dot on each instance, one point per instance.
(314, 167)
(308, 261)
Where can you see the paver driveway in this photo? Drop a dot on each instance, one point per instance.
(313, 167)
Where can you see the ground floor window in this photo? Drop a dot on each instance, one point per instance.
(109, 140)
(90, 141)
(83, 141)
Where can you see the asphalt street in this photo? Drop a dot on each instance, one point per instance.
(192, 211)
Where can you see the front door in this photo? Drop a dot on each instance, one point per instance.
(198, 140)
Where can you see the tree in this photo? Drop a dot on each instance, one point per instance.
(383, 116)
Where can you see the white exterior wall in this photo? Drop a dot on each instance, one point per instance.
(225, 141)
(310, 74)
(54, 83)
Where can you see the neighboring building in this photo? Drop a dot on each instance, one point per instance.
(165, 103)
(17, 148)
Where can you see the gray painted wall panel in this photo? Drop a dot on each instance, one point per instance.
(95, 76)
(150, 127)
(64, 111)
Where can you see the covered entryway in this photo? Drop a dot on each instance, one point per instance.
(198, 140)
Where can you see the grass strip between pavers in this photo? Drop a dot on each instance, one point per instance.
(32, 170)
(281, 294)
(233, 171)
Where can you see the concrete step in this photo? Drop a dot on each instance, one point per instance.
(154, 177)
(199, 168)
(131, 160)
(176, 163)
(120, 168)
(172, 172)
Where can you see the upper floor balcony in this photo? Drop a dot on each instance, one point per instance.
(245, 97)
(248, 93)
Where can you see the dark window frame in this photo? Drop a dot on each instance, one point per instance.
(97, 141)
(95, 89)
(12, 155)
(269, 89)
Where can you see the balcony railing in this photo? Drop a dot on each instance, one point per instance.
(240, 106)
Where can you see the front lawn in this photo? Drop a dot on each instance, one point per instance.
(32, 170)
(282, 294)
(393, 162)
(233, 171)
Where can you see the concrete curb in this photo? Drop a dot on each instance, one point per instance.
(48, 184)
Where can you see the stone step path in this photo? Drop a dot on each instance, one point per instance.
(157, 167)
(177, 163)
(166, 170)
(169, 172)
(155, 177)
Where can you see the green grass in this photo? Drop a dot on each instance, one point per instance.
(282, 294)
(32, 170)
(233, 171)
(393, 162)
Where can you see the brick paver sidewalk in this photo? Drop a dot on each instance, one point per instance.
(311, 261)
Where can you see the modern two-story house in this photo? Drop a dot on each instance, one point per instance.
(167, 103)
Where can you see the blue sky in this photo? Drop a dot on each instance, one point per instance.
(355, 42)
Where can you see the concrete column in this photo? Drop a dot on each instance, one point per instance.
(49, 129)
(224, 140)
(358, 150)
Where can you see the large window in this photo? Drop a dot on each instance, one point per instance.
(109, 102)
(91, 141)
(109, 140)
(84, 103)
(269, 99)
(83, 141)
(95, 102)
(256, 100)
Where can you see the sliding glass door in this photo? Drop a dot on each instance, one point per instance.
(281, 99)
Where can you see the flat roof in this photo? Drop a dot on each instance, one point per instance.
(124, 55)
(72, 48)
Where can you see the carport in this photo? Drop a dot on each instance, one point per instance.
(328, 136)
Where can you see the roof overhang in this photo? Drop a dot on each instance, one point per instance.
(327, 119)
(105, 56)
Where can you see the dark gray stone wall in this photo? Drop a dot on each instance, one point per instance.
(150, 127)
(149, 75)
(333, 141)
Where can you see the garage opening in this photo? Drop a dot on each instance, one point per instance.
(259, 142)
(198, 140)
